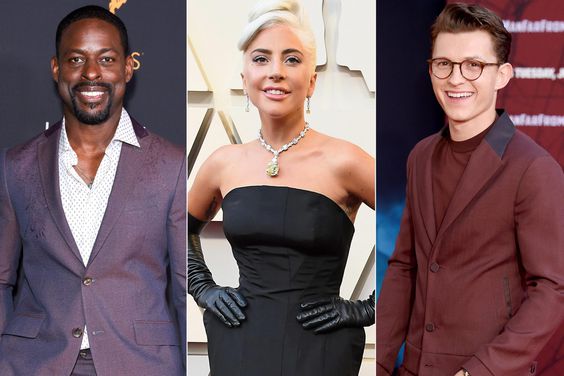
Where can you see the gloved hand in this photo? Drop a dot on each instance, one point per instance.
(328, 314)
(224, 302)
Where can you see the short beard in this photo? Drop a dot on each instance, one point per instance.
(96, 118)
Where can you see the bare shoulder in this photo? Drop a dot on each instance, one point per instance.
(353, 163)
(225, 152)
(354, 168)
(344, 154)
(221, 158)
(204, 198)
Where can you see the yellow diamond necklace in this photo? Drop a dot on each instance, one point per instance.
(273, 168)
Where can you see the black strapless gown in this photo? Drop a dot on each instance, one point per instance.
(291, 245)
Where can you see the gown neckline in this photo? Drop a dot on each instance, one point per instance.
(326, 198)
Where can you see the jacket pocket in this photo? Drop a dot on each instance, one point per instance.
(156, 333)
(24, 325)
(411, 359)
(507, 297)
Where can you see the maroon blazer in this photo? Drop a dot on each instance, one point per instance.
(131, 294)
(485, 290)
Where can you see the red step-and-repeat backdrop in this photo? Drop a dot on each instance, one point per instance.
(535, 97)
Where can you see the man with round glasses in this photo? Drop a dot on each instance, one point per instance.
(470, 69)
(475, 285)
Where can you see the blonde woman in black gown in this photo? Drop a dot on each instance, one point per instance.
(289, 202)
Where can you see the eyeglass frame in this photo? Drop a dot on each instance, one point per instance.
(482, 66)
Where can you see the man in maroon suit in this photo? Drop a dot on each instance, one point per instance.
(93, 226)
(475, 285)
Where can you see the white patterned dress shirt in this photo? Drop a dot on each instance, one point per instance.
(84, 207)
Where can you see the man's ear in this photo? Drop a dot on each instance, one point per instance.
(128, 68)
(55, 68)
(504, 74)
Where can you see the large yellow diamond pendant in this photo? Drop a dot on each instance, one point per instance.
(272, 168)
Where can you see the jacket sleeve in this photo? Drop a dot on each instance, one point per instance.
(394, 306)
(10, 248)
(539, 223)
(176, 236)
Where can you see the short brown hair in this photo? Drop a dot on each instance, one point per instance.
(458, 17)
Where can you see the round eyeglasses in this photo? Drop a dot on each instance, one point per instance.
(469, 69)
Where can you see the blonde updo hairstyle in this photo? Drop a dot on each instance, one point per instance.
(268, 13)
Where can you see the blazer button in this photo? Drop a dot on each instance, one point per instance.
(77, 332)
(87, 281)
(435, 267)
(430, 327)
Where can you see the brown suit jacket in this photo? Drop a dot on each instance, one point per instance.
(485, 290)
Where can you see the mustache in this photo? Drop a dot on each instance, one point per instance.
(92, 83)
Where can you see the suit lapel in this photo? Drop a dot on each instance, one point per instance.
(424, 188)
(49, 171)
(485, 161)
(126, 176)
(481, 167)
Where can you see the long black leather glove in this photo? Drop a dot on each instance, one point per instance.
(224, 302)
(325, 315)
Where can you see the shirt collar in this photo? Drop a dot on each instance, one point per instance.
(124, 133)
